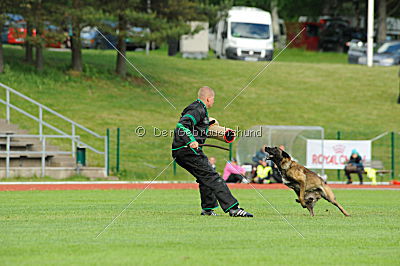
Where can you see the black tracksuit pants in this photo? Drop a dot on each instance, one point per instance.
(213, 188)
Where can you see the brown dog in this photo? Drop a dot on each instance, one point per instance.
(308, 186)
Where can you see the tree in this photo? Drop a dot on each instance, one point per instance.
(39, 12)
(214, 11)
(383, 6)
(2, 19)
(129, 14)
(177, 13)
(5, 6)
(76, 45)
(275, 21)
(79, 14)
(25, 7)
(28, 44)
(114, 10)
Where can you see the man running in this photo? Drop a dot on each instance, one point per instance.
(191, 131)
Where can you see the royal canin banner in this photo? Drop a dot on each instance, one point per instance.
(336, 152)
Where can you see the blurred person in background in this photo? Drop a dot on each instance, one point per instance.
(354, 165)
(234, 173)
(264, 172)
(259, 156)
(257, 159)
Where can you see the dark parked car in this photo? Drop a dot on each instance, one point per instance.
(336, 35)
(91, 38)
(388, 54)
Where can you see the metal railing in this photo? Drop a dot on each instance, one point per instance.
(43, 152)
(74, 139)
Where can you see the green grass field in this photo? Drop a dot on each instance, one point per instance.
(300, 88)
(163, 227)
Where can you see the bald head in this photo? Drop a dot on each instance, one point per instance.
(206, 94)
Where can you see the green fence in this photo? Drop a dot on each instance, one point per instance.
(132, 159)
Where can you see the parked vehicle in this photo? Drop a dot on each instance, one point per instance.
(388, 54)
(91, 39)
(9, 19)
(246, 34)
(212, 34)
(357, 49)
(88, 37)
(4, 34)
(308, 39)
(281, 38)
(135, 40)
(15, 32)
(53, 35)
(334, 35)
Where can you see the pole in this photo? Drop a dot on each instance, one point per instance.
(322, 151)
(8, 106)
(108, 153)
(393, 159)
(338, 136)
(40, 121)
(370, 33)
(8, 157)
(73, 141)
(43, 155)
(118, 144)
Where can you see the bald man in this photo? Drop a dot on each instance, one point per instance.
(191, 131)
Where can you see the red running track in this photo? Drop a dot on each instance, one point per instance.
(105, 186)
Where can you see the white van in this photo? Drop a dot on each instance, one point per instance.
(246, 34)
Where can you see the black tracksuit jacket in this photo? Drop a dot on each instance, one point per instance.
(193, 126)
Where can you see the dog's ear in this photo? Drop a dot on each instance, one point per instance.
(285, 155)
